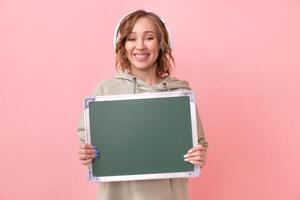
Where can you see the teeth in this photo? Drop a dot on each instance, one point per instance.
(140, 56)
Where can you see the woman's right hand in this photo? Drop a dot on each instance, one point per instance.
(87, 153)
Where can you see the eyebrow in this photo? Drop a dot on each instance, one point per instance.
(144, 32)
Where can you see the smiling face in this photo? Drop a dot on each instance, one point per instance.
(142, 45)
(154, 53)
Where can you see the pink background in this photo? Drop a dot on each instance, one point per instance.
(242, 58)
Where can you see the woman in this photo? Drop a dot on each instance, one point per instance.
(144, 60)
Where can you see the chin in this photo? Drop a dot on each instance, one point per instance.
(142, 66)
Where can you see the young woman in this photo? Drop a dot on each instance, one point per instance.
(143, 60)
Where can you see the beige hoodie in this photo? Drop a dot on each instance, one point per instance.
(160, 189)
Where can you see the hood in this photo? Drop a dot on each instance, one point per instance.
(168, 84)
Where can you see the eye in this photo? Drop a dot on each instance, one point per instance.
(131, 39)
(149, 38)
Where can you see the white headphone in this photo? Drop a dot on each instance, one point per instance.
(116, 33)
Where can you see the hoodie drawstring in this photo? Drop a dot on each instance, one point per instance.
(165, 87)
(134, 86)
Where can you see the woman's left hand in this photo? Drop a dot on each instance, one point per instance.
(196, 156)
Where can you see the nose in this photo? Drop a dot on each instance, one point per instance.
(140, 44)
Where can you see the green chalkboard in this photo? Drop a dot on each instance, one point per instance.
(141, 138)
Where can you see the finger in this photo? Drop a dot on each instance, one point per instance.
(197, 148)
(86, 162)
(196, 153)
(87, 146)
(82, 157)
(87, 152)
(202, 155)
(195, 158)
(85, 157)
(198, 163)
(90, 146)
(82, 146)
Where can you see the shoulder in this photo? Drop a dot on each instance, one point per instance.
(104, 86)
(174, 83)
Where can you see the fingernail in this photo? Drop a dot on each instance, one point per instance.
(186, 160)
(189, 151)
(97, 151)
(185, 155)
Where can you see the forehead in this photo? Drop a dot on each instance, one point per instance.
(144, 24)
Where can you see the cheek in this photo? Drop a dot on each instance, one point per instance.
(156, 51)
(127, 47)
(155, 48)
(127, 52)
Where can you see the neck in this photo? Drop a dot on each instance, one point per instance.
(147, 75)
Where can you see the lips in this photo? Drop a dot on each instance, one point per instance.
(141, 56)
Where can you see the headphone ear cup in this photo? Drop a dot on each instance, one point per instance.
(116, 37)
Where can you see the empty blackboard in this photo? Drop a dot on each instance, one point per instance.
(141, 136)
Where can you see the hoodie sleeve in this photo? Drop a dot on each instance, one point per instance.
(98, 91)
(201, 136)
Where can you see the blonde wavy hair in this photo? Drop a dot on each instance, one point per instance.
(165, 60)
